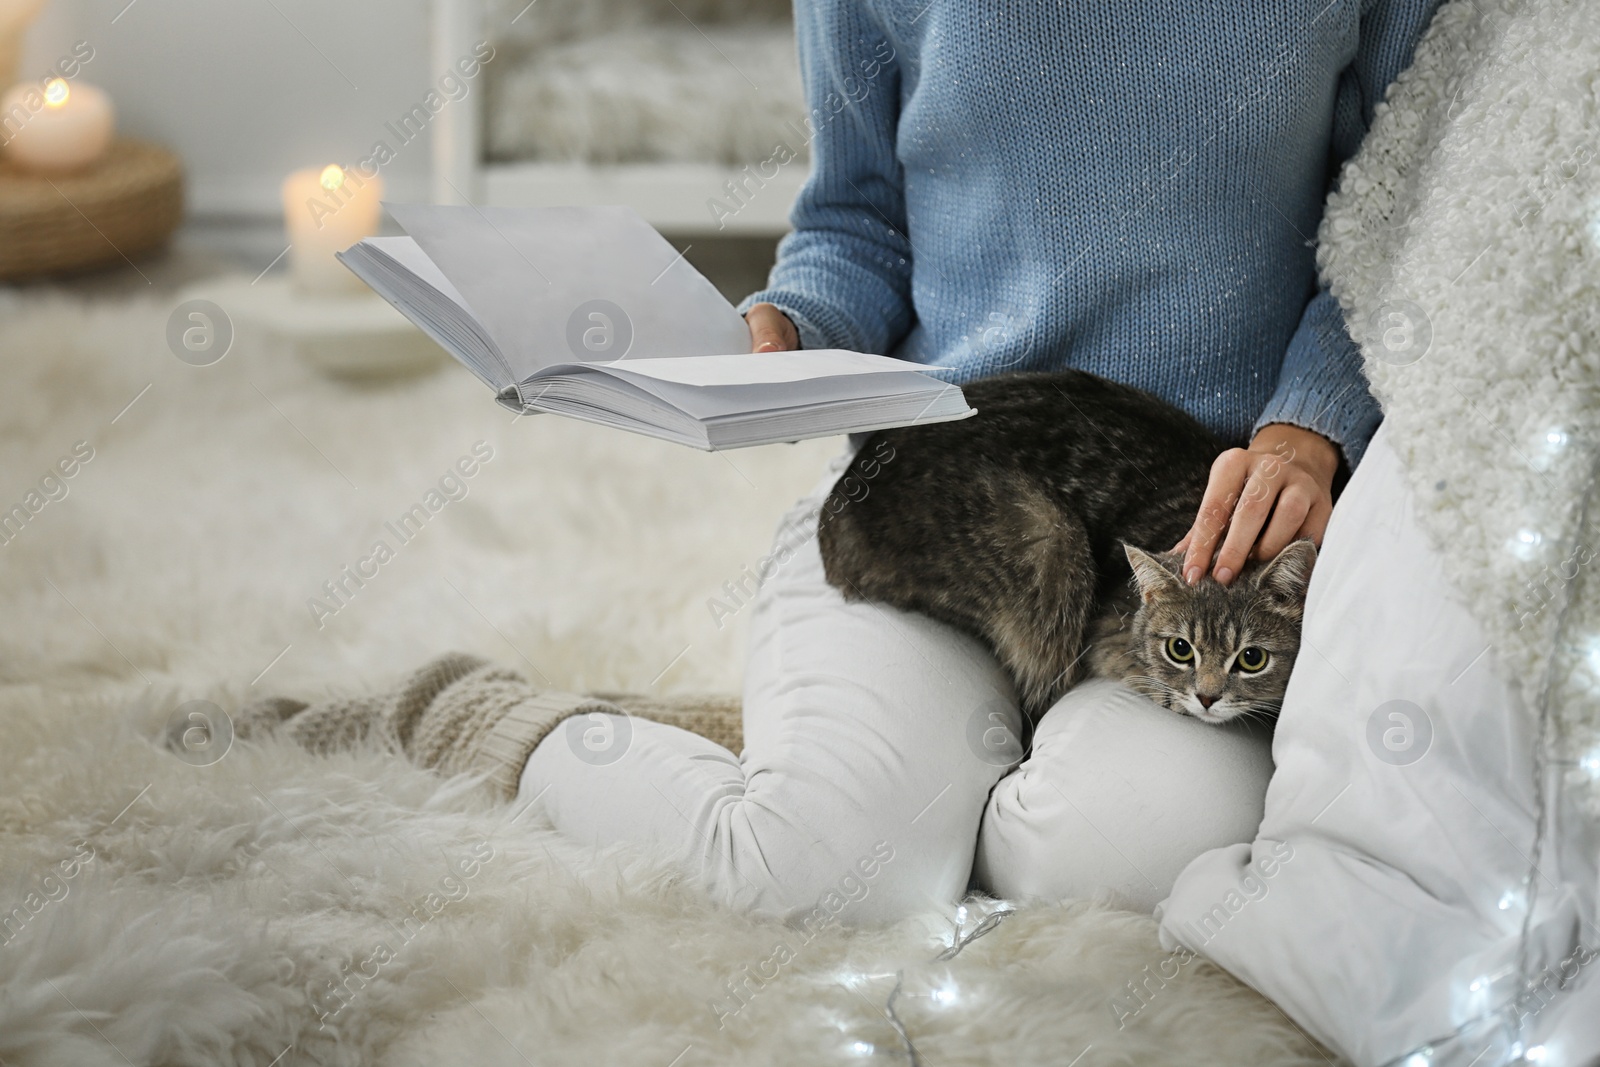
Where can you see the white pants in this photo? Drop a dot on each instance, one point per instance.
(874, 739)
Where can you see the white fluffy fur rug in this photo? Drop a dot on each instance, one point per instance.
(277, 908)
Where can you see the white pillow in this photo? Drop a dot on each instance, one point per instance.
(1381, 904)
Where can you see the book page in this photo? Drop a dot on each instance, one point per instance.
(573, 284)
(732, 400)
(763, 368)
(407, 253)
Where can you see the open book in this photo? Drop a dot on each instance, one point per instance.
(589, 312)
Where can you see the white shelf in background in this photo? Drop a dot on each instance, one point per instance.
(672, 197)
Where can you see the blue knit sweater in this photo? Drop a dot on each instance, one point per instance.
(1129, 189)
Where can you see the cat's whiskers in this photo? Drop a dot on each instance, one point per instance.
(1155, 689)
(1257, 711)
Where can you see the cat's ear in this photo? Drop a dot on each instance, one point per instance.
(1287, 574)
(1152, 575)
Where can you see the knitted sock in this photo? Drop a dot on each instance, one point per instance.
(461, 714)
(457, 714)
(258, 718)
(715, 717)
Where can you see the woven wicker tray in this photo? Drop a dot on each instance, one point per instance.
(126, 205)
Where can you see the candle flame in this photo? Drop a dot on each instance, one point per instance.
(332, 177)
(56, 92)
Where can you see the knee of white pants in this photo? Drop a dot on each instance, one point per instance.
(864, 874)
(872, 738)
(1119, 794)
(779, 846)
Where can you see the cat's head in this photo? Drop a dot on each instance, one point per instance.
(1219, 652)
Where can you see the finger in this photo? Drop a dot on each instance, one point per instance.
(1316, 521)
(763, 332)
(1183, 545)
(771, 330)
(1228, 474)
(1288, 516)
(1248, 518)
(1210, 524)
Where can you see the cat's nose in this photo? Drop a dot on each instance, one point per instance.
(1205, 701)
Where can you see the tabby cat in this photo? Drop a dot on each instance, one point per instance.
(1021, 525)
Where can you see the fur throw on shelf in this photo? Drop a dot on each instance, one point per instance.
(642, 81)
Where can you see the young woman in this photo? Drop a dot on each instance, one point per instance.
(1129, 189)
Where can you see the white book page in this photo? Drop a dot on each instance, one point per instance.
(573, 284)
(755, 384)
(751, 402)
(407, 253)
(760, 368)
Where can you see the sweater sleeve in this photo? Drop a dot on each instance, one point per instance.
(843, 274)
(1321, 386)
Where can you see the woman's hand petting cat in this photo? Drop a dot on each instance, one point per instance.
(1278, 490)
(771, 330)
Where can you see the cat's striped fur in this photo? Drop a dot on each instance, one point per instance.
(1019, 524)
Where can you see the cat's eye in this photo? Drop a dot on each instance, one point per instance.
(1253, 659)
(1179, 650)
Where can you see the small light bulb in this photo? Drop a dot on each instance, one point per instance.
(1477, 984)
(1548, 445)
(56, 92)
(332, 177)
(863, 1048)
(1535, 1054)
(1508, 898)
(944, 995)
(961, 914)
(1420, 1058)
(1591, 763)
(1525, 543)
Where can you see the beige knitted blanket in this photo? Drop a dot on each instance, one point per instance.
(459, 714)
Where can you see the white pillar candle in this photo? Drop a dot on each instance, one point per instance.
(328, 209)
(57, 127)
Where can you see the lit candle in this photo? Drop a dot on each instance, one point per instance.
(327, 210)
(55, 128)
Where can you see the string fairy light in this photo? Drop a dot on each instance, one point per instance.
(1524, 544)
(1503, 1028)
(942, 995)
(960, 940)
(900, 1027)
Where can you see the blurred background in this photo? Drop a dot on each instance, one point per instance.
(654, 103)
(175, 176)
